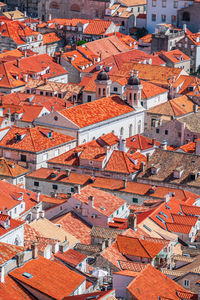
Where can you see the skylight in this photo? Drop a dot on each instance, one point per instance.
(27, 275)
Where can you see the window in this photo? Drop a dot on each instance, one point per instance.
(138, 9)
(163, 3)
(179, 134)
(186, 16)
(104, 92)
(36, 183)
(115, 89)
(166, 132)
(135, 200)
(23, 157)
(72, 189)
(122, 207)
(121, 131)
(154, 3)
(163, 18)
(54, 186)
(186, 283)
(175, 4)
(153, 18)
(89, 98)
(59, 95)
(41, 92)
(157, 130)
(173, 19)
(117, 211)
(123, 23)
(60, 207)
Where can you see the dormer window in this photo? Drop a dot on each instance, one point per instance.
(191, 88)
(155, 169)
(194, 175)
(178, 172)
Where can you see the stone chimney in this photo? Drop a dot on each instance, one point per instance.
(124, 183)
(20, 259)
(132, 222)
(153, 141)
(122, 144)
(34, 248)
(91, 201)
(64, 246)
(77, 189)
(195, 108)
(67, 172)
(163, 146)
(37, 197)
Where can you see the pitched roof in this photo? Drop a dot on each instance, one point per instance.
(131, 246)
(104, 202)
(8, 251)
(75, 226)
(10, 168)
(141, 142)
(156, 285)
(175, 107)
(97, 111)
(50, 37)
(11, 290)
(49, 230)
(33, 139)
(68, 282)
(71, 257)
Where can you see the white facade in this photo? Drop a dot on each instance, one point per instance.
(119, 125)
(14, 236)
(163, 12)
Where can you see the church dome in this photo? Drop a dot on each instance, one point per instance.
(103, 75)
(134, 81)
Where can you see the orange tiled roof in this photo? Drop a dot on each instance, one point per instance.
(157, 285)
(50, 37)
(11, 290)
(97, 111)
(61, 281)
(189, 148)
(178, 228)
(10, 169)
(176, 56)
(140, 142)
(7, 252)
(138, 247)
(33, 139)
(71, 257)
(75, 226)
(104, 202)
(17, 31)
(177, 107)
(97, 27)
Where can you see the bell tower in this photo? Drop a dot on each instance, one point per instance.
(103, 84)
(134, 90)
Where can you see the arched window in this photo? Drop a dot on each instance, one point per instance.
(130, 130)
(99, 92)
(54, 5)
(122, 131)
(130, 96)
(104, 92)
(75, 7)
(186, 16)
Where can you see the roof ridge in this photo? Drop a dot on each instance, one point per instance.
(29, 130)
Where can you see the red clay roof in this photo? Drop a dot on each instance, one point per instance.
(130, 246)
(7, 252)
(104, 202)
(33, 139)
(96, 111)
(71, 257)
(151, 283)
(75, 226)
(60, 282)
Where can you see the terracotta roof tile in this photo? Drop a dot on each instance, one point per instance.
(68, 281)
(96, 111)
(33, 139)
(71, 257)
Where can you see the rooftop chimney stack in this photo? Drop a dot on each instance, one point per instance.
(34, 248)
(125, 184)
(37, 197)
(91, 201)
